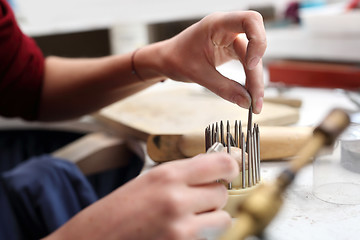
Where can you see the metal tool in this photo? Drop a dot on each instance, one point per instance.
(250, 169)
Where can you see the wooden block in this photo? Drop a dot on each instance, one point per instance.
(276, 143)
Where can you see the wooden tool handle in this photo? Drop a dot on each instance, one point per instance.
(275, 143)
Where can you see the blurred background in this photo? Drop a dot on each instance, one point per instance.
(311, 43)
(312, 31)
(129, 24)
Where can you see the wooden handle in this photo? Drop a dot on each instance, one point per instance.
(282, 142)
(96, 152)
(275, 142)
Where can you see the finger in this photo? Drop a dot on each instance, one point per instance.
(207, 168)
(207, 197)
(212, 224)
(254, 77)
(250, 23)
(224, 87)
(204, 225)
(255, 33)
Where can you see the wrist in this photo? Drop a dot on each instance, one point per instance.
(146, 63)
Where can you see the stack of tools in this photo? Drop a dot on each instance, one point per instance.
(237, 144)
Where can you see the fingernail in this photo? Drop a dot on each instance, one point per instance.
(259, 104)
(253, 63)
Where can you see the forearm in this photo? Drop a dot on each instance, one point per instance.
(76, 87)
(73, 87)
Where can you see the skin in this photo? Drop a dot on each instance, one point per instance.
(74, 87)
(175, 200)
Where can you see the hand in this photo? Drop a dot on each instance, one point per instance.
(176, 200)
(193, 55)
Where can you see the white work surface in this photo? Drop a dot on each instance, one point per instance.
(304, 216)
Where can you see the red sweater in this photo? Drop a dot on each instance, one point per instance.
(21, 69)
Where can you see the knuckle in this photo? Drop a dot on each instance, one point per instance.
(255, 15)
(262, 43)
(223, 195)
(163, 174)
(222, 90)
(173, 203)
(214, 15)
(227, 164)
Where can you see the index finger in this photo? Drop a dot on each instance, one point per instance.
(207, 168)
(248, 22)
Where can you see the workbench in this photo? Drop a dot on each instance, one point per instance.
(303, 215)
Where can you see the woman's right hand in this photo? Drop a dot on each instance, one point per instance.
(176, 200)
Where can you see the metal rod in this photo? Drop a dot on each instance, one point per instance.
(227, 131)
(213, 134)
(240, 129)
(207, 138)
(236, 134)
(229, 152)
(229, 145)
(258, 151)
(243, 167)
(253, 158)
(249, 160)
(232, 141)
(222, 132)
(249, 126)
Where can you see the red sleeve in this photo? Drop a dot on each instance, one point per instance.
(21, 69)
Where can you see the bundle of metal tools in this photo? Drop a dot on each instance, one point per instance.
(248, 146)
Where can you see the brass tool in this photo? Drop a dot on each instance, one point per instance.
(257, 210)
